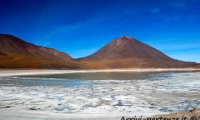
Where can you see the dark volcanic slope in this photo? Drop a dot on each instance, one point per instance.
(12, 45)
(126, 47)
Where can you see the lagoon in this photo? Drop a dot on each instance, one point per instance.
(116, 93)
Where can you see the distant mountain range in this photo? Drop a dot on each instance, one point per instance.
(122, 52)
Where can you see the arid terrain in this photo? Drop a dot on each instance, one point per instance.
(122, 52)
(16, 53)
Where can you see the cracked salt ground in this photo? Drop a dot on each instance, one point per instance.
(156, 93)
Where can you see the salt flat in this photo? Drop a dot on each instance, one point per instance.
(18, 72)
(99, 99)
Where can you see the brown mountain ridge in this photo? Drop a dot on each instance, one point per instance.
(11, 44)
(122, 52)
(16, 53)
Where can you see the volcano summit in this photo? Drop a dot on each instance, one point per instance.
(126, 52)
(126, 47)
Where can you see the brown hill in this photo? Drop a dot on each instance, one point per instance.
(16, 53)
(11, 44)
(126, 52)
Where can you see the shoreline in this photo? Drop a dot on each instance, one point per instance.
(19, 72)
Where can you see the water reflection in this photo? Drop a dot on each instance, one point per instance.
(25, 81)
(99, 76)
(71, 79)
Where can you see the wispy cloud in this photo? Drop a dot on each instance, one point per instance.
(82, 52)
(174, 44)
(155, 10)
(178, 4)
(46, 44)
(186, 56)
(42, 41)
(181, 49)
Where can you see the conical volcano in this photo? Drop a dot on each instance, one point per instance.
(126, 52)
(126, 47)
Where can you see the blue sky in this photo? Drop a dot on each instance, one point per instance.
(80, 27)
